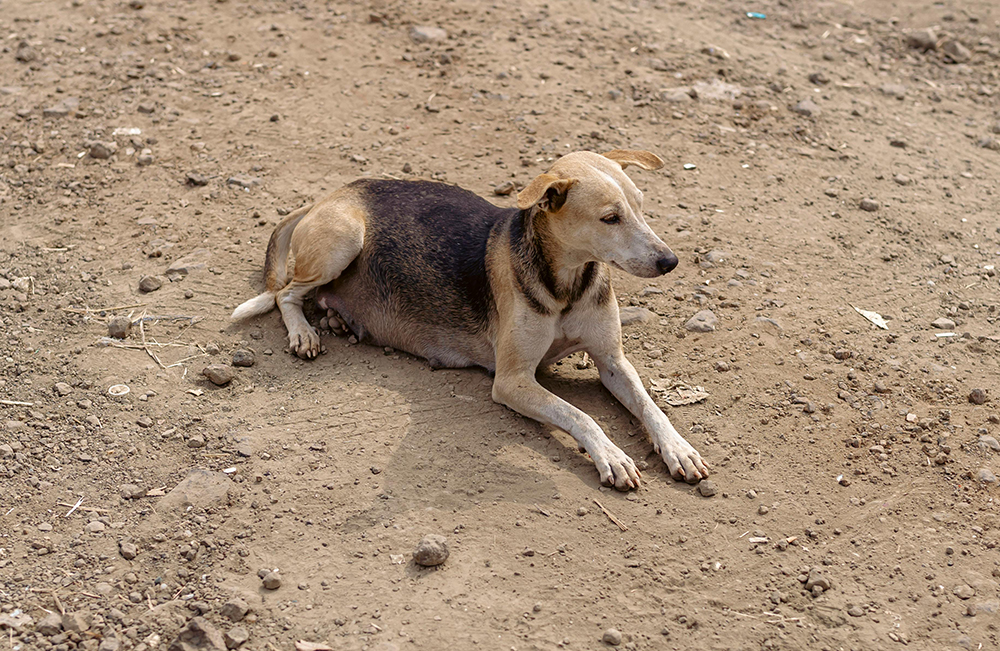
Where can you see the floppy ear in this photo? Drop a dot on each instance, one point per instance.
(644, 159)
(547, 190)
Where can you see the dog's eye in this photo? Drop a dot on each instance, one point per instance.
(611, 219)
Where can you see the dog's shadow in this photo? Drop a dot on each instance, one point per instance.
(460, 449)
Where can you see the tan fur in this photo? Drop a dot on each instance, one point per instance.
(549, 285)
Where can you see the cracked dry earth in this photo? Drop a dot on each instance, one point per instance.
(825, 157)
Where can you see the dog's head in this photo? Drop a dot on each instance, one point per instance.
(595, 211)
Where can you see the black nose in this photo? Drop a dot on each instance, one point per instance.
(666, 263)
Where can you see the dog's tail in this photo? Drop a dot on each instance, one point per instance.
(275, 267)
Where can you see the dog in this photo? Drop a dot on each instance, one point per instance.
(439, 272)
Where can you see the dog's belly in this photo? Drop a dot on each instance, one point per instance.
(561, 348)
(381, 323)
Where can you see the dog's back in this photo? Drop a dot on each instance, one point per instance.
(420, 282)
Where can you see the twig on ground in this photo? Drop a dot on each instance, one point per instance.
(16, 403)
(88, 509)
(87, 310)
(611, 516)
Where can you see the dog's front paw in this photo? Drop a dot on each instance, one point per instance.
(304, 342)
(683, 461)
(616, 468)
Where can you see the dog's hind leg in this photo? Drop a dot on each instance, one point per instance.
(324, 243)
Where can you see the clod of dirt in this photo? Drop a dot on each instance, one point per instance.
(819, 78)
(128, 550)
(989, 143)
(706, 488)
(868, 205)
(987, 442)
(816, 583)
(431, 550)
(943, 323)
(271, 580)
(235, 609)
(243, 180)
(219, 374)
(243, 357)
(963, 591)
(807, 107)
(198, 635)
(194, 261)
(894, 90)
(922, 39)
(119, 327)
(131, 492)
(612, 636)
(957, 52)
(631, 315)
(199, 489)
(236, 636)
(149, 284)
(504, 189)
(704, 321)
(75, 622)
(856, 611)
(50, 625)
(977, 396)
(426, 34)
(62, 389)
(25, 53)
(196, 179)
(102, 150)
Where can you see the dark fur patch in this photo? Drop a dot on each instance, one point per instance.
(525, 253)
(425, 249)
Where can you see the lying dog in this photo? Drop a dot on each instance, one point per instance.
(439, 272)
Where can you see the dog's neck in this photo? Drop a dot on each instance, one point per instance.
(564, 276)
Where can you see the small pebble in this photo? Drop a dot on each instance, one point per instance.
(868, 205)
(219, 374)
(243, 357)
(504, 189)
(236, 636)
(977, 396)
(128, 550)
(271, 581)
(119, 327)
(706, 488)
(149, 284)
(612, 636)
(431, 550)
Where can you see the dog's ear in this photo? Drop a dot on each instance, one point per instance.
(645, 159)
(546, 190)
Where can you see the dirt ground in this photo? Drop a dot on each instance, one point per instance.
(826, 157)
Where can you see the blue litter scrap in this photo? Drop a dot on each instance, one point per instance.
(757, 15)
